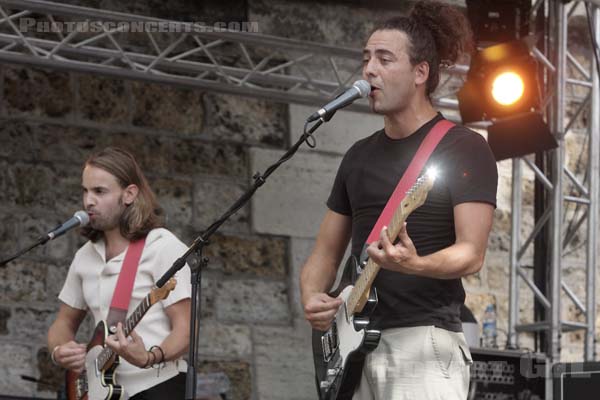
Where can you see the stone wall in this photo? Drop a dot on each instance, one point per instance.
(199, 151)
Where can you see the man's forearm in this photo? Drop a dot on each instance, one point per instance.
(59, 334)
(174, 346)
(456, 261)
(316, 278)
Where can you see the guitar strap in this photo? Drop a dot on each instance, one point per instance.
(409, 177)
(122, 294)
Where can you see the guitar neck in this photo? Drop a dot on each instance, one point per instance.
(130, 323)
(362, 286)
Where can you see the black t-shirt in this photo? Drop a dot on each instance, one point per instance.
(369, 173)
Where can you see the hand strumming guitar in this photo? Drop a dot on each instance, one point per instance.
(320, 310)
(70, 355)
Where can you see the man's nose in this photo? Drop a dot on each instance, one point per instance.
(369, 69)
(88, 200)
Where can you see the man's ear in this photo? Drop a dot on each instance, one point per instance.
(130, 194)
(421, 73)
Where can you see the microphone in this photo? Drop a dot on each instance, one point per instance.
(79, 218)
(359, 89)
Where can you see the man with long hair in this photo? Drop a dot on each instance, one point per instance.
(422, 352)
(123, 209)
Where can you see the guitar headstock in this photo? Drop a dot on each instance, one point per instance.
(416, 195)
(161, 293)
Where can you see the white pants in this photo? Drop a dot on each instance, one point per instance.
(420, 363)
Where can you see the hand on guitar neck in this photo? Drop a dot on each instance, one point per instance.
(130, 348)
(70, 355)
(400, 257)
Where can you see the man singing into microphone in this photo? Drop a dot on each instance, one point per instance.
(422, 353)
(123, 209)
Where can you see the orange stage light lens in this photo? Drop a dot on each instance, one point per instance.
(507, 88)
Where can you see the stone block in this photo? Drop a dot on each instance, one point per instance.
(18, 141)
(472, 281)
(56, 279)
(292, 202)
(157, 155)
(300, 249)
(224, 340)
(36, 224)
(5, 314)
(335, 24)
(258, 256)
(212, 198)
(16, 360)
(103, 99)
(175, 196)
(339, 134)
(9, 233)
(37, 92)
(23, 281)
(498, 277)
(247, 120)
(52, 377)
(167, 108)
(167, 156)
(60, 144)
(284, 364)
(31, 323)
(209, 293)
(239, 375)
(252, 301)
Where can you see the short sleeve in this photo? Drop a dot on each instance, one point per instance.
(474, 174)
(72, 290)
(171, 250)
(339, 200)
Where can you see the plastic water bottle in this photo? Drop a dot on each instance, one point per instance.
(489, 327)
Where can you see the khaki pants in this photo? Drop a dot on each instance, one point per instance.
(419, 363)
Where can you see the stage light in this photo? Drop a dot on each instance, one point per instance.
(502, 87)
(507, 88)
(502, 81)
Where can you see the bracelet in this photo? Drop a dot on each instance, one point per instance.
(149, 364)
(52, 356)
(162, 354)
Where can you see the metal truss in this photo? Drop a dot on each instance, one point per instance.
(212, 58)
(572, 194)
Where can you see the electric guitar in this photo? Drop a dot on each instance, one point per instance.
(339, 353)
(98, 380)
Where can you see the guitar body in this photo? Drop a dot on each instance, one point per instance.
(340, 352)
(95, 383)
(98, 380)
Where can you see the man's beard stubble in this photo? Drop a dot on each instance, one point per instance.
(110, 222)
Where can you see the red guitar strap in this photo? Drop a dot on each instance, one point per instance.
(122, 294)
(409, 178)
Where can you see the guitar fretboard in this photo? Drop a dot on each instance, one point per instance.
(130, 323)
(414, 198)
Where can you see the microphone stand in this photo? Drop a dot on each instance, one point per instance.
(196, 261)
(41, 241)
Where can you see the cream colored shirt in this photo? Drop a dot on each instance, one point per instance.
(90, 284)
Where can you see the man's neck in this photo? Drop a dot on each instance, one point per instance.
(115, 243)
(404, 123)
